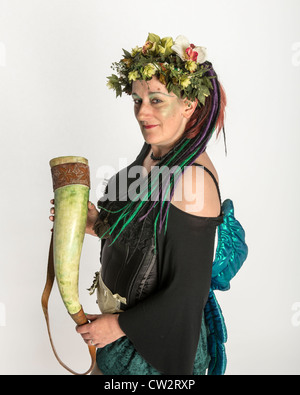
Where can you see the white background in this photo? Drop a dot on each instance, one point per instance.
(54, 59)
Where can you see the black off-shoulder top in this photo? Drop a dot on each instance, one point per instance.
(166, 288)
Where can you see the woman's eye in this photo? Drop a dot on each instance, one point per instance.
(156, 101)
(153, 101)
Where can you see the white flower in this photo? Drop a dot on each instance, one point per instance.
(180, 45)
(187, 51)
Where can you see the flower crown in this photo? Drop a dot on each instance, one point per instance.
(179, 65)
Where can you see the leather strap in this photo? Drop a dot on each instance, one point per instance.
(45, 298)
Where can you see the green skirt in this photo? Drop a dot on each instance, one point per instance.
(121, 358)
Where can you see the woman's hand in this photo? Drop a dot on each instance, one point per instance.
(102, 330)
(91, 217)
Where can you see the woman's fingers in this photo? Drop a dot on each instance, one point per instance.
(92, 207)
(52, 211)
(83, 329)
(86, 336)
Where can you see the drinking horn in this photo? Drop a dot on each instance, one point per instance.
(71, 185)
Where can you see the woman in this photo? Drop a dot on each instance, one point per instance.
(158, 231)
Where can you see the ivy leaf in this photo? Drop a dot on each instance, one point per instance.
(126, 53)
(205, 91)
(207, 82)
(201, 98)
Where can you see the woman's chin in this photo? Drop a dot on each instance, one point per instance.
(151, 139)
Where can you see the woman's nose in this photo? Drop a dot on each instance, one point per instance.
(143, 112)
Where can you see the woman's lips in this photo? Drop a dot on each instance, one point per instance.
(149, 126)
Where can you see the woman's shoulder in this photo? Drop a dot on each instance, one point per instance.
(205, 161)
(197, 192)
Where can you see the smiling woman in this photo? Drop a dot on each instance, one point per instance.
(155, 286)
(162, 116)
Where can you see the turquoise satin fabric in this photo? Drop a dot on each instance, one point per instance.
(231, 253)
(231, 250)
(121, 358)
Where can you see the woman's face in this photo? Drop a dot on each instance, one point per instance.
(161, 115)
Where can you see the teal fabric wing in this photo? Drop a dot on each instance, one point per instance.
(217, 336)
(231, 253)
(231, 250)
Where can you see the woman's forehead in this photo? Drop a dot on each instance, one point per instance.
(151, 86)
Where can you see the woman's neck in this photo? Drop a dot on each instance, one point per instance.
(159, 151)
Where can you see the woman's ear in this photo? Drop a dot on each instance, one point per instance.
(189, 108)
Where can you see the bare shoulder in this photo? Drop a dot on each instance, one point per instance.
(196, 192)
(205, 160)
